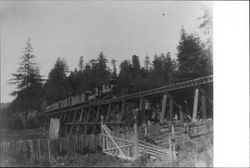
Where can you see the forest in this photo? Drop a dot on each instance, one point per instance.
(34, 92)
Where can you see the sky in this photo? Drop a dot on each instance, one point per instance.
(71, 29)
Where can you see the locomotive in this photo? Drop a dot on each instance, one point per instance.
(99, 93)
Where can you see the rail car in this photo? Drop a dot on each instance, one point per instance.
(99, 93)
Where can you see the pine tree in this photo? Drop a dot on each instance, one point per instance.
(147, 63)
(28, 81)
(114, 73)
(57, 86)
(136, 63)
(191, 57)
(81, 62)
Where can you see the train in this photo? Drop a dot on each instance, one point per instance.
(99, 93)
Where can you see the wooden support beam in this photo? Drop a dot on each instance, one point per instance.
(195, 106)
(187, 110)
(109, 111)
(62, 117)
(96, 118)
(67, 128)
(80, 120)
(203, 107)
(65, 116)
(163, 109)
(122, 111)
(171, 112)
(181, 115)
(203, 93)
(74, 120)
(87, 119)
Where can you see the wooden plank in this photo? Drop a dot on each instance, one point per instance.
(114, 148)
(163, 110)
(156, 153)
(120, 139)
(151, 145)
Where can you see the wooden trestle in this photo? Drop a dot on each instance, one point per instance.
(173, 100)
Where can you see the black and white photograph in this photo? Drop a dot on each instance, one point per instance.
(109, 84)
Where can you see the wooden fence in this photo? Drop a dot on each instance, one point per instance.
(24, 148)
(120, 144)
(38, 147)
(41, 148)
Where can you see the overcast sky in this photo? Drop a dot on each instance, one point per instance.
(71, 29)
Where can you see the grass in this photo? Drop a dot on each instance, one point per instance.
(198, 153)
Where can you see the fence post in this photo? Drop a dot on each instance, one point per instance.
(170, 145)
(103, 142)
(173, 141)
(136, 149)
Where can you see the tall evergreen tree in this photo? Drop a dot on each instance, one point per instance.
(81, 64)
(29, 83)
(136, 63)
(147, 63)
(57, 86)
(191, 57)
(114, 73)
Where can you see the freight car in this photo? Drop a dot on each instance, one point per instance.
(99, 93)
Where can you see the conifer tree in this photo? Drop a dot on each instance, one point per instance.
(29, 83)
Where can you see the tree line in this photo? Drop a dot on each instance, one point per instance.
(34, 92)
